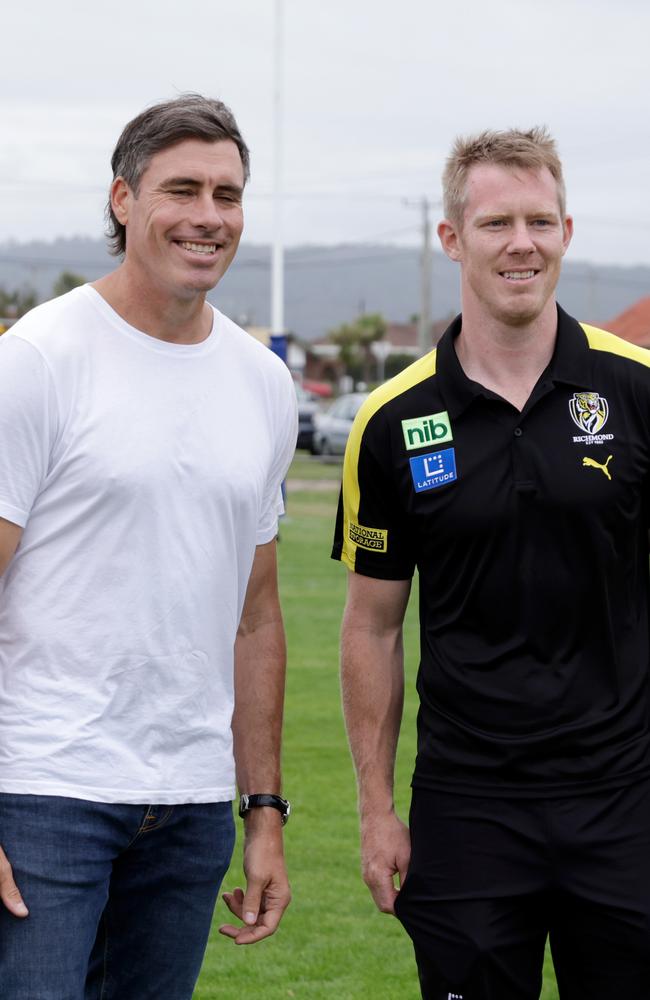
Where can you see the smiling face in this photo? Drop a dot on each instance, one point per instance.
(184, 225)
(510, 243)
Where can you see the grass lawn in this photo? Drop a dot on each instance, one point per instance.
(332, 943)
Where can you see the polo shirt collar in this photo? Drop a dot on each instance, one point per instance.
(567, 365)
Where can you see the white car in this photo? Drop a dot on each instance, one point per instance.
(332, 426)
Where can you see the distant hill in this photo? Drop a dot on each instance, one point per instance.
(328, 285)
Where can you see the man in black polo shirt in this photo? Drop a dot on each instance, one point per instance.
(510, 467)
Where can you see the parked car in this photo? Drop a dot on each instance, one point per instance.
(307, 410)
(333, 425)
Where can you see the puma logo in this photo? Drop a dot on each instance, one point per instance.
(597, 465)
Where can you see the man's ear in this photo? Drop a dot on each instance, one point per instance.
(120, 196)
(567, 233)
(449, 239)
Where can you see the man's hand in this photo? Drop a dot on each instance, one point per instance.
(372, 679)
(9, 892)
(385, 852)
(267, 894)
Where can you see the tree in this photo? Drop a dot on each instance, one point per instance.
(15, 304)
(66, 281)
(355, 342)
(396, 363)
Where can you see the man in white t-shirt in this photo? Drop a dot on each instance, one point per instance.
(143, 442)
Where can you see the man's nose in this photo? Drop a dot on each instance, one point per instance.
(206, 213)
(521, 240)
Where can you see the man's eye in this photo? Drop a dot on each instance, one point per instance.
(541, 223)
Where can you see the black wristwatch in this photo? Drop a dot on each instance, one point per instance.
(248, 802)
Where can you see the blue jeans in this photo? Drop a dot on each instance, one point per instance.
(120, 897)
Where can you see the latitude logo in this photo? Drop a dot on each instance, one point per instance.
(421, 432)
(437, 468)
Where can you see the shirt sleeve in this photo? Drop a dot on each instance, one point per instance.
(371, 535)
(286, 435)
(27, 426)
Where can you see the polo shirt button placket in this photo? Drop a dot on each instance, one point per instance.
(523, 484)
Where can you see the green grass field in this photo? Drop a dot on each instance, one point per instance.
(332, 943)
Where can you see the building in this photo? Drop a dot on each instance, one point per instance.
(398, 348)
(633, 324)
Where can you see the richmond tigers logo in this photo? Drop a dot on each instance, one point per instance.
(589, 411)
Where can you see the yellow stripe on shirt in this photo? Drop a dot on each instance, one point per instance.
(411, 376)
(601, 340)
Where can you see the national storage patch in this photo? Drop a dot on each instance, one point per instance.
(375, 539)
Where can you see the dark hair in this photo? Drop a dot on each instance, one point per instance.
(190, 116)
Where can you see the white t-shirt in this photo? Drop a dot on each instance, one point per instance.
(144, 474)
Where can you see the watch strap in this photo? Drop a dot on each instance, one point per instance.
(248, 802)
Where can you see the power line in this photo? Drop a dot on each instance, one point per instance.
(55, 261)
(313, 195)
(68, 187)
(338, 258)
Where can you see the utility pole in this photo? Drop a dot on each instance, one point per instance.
(424, 323)
(592, 288)
(278, 333)
(426, 274)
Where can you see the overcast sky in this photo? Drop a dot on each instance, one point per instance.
(375, 92)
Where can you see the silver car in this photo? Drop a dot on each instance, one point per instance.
(332, 426)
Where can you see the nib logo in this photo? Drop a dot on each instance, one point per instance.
(454, 996)
(422, 431)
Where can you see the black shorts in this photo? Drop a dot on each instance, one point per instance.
(490, 879)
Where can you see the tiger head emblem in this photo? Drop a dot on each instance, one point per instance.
(589, 411)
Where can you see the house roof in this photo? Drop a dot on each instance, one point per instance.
(633, 324)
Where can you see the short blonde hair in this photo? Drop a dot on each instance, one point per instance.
(531, 150)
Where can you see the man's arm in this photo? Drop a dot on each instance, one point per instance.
(260, 660)
(372, 679)
(9, 894)
(9, 537)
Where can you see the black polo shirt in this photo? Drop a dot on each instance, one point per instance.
(529, 533)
